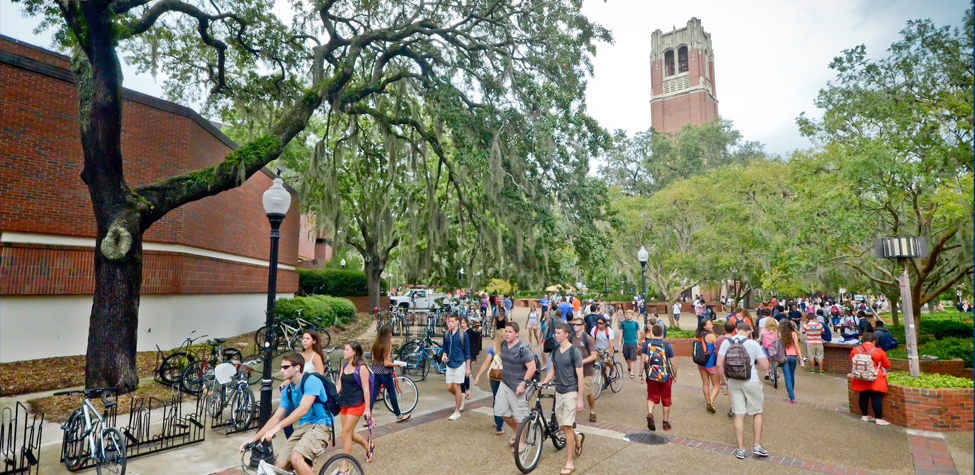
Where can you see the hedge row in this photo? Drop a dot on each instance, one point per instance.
(336, 282)
(320, 309)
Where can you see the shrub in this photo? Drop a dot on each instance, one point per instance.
(319, 309)
(942, 329)
(500, 286)
(928, 380)
(948, 348)
(335, 282)
(678, 333)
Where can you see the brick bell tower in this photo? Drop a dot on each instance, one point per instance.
(682, 78)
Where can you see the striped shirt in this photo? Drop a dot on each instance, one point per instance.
(814, 333)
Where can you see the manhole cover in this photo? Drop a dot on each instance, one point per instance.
(644, 437)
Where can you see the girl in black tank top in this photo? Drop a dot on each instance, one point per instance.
(352, 399)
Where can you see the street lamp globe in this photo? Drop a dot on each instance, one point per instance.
(342, 263)
(277, 200)
(643, 255)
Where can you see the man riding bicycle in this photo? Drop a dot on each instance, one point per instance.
(604, 337)
(302, 402)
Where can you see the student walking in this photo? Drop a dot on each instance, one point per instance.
(739, 360)
(729, 331)
(709, 370)
(870, 365)
(627, 340)
(814, 343)
(566, 371)
(660, 373)
(587, 347)
(493, 365)
(518, 364)
(472, 339)
(457, 355)
(354, 391)
(533, 326)
(676, 312)
(382, 366)
(793, 356)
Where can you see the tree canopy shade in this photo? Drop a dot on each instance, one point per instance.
(478, 61)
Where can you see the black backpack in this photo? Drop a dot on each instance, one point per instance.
(332, 405)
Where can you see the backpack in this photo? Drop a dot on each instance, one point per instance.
(885, 340)
(331, 405)
(658, 366)
(737, 361)
(776, 351)
(863, 367)
(538, 365)
(699, 351)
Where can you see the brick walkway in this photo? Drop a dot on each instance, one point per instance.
(930, 454)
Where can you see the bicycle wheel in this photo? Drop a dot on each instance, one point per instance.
(253, 367)
(407, 349)
(214, 399)
(557, 434)
(334, 466)
(617, 383)
(324, 337)
(195, 377)
(113, 449)
(530, 434)
(242, 407)
(406, 395)
(73, 445)
(597, 382)
(424, 368)
(171, 369)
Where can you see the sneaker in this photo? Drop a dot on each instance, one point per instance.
(812, 371)
(666, 425)
(867, 419)
(767, 378)
(731, 413)
(881, 422)
(454, 416)
(592, 417)
(740, 453)
(650, 424)
(462, 404)
(760, 451)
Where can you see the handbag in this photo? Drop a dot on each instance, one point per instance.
(549, 345)
(494, 371)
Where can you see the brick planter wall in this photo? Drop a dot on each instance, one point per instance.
(682, 346)
(939, 410)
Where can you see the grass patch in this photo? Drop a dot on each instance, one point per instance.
(928, 380)
(58, 408)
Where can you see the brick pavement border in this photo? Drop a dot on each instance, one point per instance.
(930, 454)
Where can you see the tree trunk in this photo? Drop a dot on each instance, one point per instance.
(374, 271)
(893, 312)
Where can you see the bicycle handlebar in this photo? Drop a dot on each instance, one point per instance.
(89, 393)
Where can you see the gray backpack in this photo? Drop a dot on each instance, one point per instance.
(737, 361)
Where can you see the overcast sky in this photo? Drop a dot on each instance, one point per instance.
(770, 57)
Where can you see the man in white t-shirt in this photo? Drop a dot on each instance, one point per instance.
(746, 395)
(676, 311)
(604, 337)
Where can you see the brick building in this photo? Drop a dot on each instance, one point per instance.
(205, 263)
(682, 78)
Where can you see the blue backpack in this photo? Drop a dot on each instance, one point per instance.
(885, 340)
(827, 335)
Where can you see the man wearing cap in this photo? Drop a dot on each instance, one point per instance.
(604, 337)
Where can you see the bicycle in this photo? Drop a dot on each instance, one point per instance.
(601, 380)
(287, 334)
(200, 372)
(170, 370)
(88, 436)
(229, 386)
(411, 346)
(333, 466)
(407, 394)
(418, 363)
(535, 429)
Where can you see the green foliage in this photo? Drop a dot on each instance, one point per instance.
(942, 329)
(319, 309)
(335, 282)
(679, 333)
(500, 286)
(928, 380)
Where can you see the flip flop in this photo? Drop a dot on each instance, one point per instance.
(582, 440)
(404, 418)
(567, 471)
(511, 442)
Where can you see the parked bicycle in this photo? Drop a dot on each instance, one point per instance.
(535, 429)
(200, 372)
(287, 334)
(87, 435)
(229, 386)
(601, 378)
(333, 466)
(421, 360)
(170, 368)
(410, 346)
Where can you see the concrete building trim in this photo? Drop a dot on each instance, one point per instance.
(81, 242)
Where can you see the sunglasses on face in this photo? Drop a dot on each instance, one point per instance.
(284, 367)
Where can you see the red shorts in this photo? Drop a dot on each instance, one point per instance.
(658, 392)
(361, 408)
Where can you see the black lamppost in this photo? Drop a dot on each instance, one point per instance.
(643, 256)
(903, 248)
(277, 200)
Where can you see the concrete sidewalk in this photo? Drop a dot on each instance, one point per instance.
(818, 435)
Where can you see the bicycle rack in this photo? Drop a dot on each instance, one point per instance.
(176, 427)
(222, 422)
(20, 440)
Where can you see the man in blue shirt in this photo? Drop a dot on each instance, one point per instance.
(566, 309)
(457, 355)
(508, 305)
(544, 304)
(303, 404)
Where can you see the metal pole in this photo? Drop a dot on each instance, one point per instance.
(272, 281)
(643, 276)
(910, 332)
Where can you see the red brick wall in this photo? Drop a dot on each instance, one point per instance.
(41, 161)
(837, 360)
(63, 270)
(682, 346)
(939, 410)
